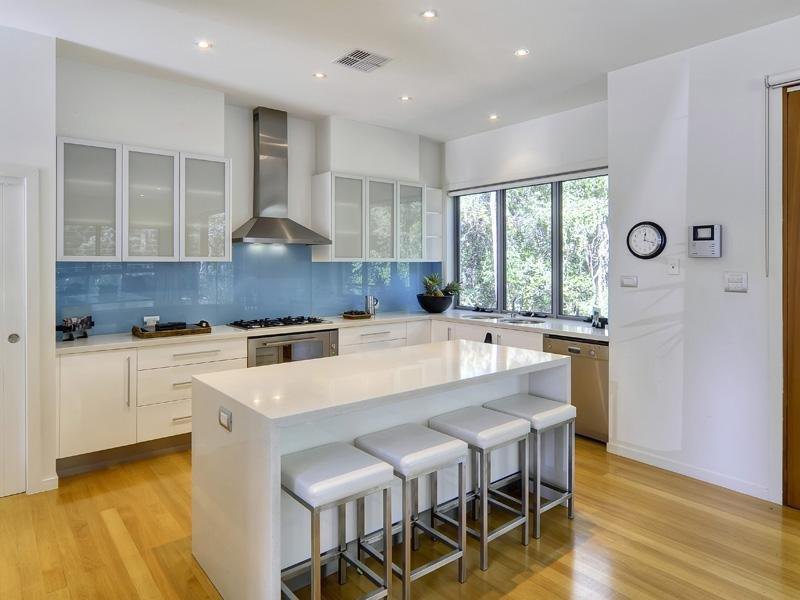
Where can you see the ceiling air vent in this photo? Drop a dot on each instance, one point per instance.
(361, 60)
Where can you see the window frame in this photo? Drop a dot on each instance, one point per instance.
(557, 248)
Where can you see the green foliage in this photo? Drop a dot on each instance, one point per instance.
(529, 260)
(433, 286)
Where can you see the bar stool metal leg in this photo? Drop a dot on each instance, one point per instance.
(360, 528)
(571, 470)
(415, 513)
(316, 560)
(484, 500)
(537, 488)
(476, 485)
(488, 476)
(387, 539)
(342, 544)
(407, 535)
(462, 522)
(434, 499)
(524, 467)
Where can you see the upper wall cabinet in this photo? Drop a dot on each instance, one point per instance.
(120, 202)
(371, 219)
(89, 201)
(411, 221)
(205, 208)
(150, 209)
(381, 219)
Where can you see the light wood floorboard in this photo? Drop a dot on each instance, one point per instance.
(639, 532)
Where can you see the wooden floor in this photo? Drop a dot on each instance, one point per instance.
(639, 532)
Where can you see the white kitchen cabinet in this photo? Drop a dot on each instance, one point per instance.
(150, 204)
(163, 420)
(205, 208)
(372, 346)
(169, 384)
(410, 221)
(97, 401)
(381, 219)
(519, 339)
(476, 333)
(418, 332)
(89, 201)
(337, 212)
(371, 333)
(442, 331)
(434, 225)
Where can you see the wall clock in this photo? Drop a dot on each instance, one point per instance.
(646, 240)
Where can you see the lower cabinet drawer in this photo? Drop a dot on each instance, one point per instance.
(175, 383)
(371, 333)
(162, 420)
(371, 346)
(190, 353)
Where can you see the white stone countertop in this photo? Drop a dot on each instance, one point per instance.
(294, 392)
(118, 341)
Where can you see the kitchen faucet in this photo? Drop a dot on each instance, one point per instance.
(514, 307)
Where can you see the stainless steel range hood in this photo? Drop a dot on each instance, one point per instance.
(271, 223)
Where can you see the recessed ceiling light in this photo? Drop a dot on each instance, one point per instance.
(203, 44)
(429, 14)
(406, 98)
(493, 117)
(320, 75)
(521, 52)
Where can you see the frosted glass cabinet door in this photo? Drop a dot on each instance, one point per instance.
(89, 200)
(205, 208)
(380, 219)
(150, 204)
(410, 221)
(348, 217)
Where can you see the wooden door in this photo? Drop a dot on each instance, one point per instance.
(791, 297)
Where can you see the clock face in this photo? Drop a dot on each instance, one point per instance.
(646, 240)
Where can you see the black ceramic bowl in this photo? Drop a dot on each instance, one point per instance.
(434, 304)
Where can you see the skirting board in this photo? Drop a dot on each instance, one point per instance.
(105, 458)
(731, 483)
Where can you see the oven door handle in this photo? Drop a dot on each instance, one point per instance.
(287, 342)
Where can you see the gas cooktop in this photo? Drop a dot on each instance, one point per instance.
(276, 322)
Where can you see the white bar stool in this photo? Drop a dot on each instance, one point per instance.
(544, 415)
(331, 476)
(486, 430)
(414, 451)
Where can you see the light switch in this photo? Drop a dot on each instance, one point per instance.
(225, 418)
(674, 266)
(630, 281)
(736, 281)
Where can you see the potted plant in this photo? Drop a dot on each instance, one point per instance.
(437, 298)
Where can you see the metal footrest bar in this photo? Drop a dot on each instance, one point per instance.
(439, 535)
(557, 502)
(435, 564)
(285, 591)
(504, 506)
(364, 569)
(298, 568)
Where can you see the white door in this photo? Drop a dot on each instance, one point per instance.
(13, 319)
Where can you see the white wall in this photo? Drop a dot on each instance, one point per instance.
(363, 149)
(107, 104)
(27, 123)
(573, 140)
(431, 162)
(695, 371)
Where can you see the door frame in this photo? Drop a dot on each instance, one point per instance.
(31, 331)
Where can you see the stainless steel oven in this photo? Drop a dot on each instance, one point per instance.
(275, 349)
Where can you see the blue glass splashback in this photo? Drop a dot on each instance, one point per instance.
(261, 281)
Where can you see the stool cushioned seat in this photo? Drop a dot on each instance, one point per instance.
(413, 449)
(332, 472)
(481, 427)
(540, 412)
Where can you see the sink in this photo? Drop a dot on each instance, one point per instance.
(480, 317)
(520, 321)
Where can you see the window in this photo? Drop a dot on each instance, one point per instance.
(540, 248)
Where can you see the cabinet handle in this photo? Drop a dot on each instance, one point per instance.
(449, 334)
(181, 419)
(181, 383)
(128, 382)
(200, 353)
(499, 339)
(287, 342)
(376, 333)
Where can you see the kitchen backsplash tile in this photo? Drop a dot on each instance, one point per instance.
(262, 280)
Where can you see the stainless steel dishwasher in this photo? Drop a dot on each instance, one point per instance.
(589, 382)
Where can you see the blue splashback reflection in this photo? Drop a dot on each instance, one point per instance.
(261, 281)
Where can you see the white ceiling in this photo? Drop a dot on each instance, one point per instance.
(459, 68)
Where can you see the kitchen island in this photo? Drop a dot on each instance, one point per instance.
(245, 529)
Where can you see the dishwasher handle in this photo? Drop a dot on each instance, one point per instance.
(573, 349)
